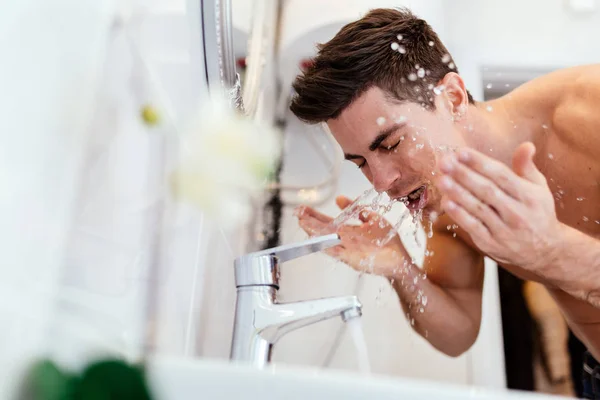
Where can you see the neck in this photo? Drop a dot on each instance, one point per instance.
(496, 129)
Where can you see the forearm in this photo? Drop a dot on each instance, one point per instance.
(574, 265)
(443, 320)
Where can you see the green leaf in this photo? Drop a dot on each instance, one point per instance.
(112, 380)
(45, 381)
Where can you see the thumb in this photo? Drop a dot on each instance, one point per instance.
(524, 166)
(343, 201)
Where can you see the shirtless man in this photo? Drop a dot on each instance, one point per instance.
(523, 183)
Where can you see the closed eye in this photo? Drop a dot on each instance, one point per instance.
(392, 147)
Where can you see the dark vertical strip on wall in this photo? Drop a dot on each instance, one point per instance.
(273, 213)
(273, 208)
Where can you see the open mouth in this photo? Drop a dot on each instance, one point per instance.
(417, 199)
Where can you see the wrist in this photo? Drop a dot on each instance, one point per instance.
(569, 265)
(550, 261)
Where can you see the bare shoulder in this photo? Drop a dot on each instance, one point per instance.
(576, 118)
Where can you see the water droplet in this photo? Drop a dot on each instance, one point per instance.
(454, 235)
(551, 156)
(439, 89)
(399, 37)
(412, 77)
(380, 121)
(401, 49)
(395, 46)
(431, 43)
(446, 58)
(585, 219)
(448, 227)
(544, 126)
(490, 108)
(451, 65)
(412, 321)
(597, 221)
(424, 300)
(419, 146)
(580, 198)
(489, 86)
(421, 73)
(421, 310)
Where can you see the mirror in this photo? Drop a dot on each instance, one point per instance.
(524, 342)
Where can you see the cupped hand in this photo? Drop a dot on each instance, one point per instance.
(362, 245)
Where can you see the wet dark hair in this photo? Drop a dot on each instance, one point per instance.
(363, 55)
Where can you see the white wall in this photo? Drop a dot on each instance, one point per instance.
(86, 181)
(51, 54)
(541, 34)
(124, 229)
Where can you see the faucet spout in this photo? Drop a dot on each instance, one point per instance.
(280, 319)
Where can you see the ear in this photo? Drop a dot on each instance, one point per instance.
(454, 96)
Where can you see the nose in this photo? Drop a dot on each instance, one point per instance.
(384, 176)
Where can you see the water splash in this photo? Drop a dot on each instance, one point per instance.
(439, 89)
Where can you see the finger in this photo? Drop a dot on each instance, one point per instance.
(465, 220)
(336, 251)
(364, 215)
(485, 190)
(304, 212)
(524, 166)
(485, 166)
(313, 226)
(350, 233)
(343, 201)
(464, 198)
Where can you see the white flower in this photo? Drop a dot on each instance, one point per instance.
(225, 160)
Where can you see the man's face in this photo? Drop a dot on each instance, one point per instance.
(397, 145)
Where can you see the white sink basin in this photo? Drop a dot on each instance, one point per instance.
(181, 379)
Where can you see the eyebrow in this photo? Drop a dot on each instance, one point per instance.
(384, 134)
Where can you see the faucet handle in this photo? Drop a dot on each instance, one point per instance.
(262, 267)
(313, 245)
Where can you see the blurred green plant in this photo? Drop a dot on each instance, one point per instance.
(109, 379)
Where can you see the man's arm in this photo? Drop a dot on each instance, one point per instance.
(451, 318)
(575, 265)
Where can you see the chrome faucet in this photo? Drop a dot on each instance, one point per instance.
(259, 319)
